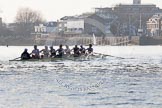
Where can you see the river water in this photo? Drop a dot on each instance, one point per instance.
(109, 82)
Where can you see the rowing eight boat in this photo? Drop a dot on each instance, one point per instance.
(80, 58)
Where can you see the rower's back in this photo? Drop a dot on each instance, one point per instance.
(45, 52)
(60, 51)
(67, 50)
(35, 53)
(52, 52)
(90, 49)
(76, 51)
(25, 55)
(82, 50)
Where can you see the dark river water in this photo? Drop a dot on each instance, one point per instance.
(109, 82)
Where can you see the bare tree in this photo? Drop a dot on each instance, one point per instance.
(25, 19)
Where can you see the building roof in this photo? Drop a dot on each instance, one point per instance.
(76, 17)
(85, 15)
(156, 16)
(67, 17)
(135, 5)
(51, 24)
(104, 9)
(48, 24)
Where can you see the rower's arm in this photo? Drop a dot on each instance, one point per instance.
(72, 49)
(41, 50)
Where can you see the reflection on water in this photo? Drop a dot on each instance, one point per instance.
(99, 83)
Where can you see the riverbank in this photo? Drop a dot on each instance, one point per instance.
(16, 41)
(84, 40)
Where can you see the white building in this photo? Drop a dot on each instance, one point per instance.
(71, 25)
(40, 29)
(44, 30)
(76, 26)
(154, 25)
(88, 23)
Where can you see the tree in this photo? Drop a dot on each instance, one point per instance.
(25, 19)
(113, 29)
(4, 31)
(116, 28)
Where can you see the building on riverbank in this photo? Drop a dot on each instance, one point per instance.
(154, 25)
(44, 30)
(127, 19)
(134, 17)
(109, 17)
(88, 23)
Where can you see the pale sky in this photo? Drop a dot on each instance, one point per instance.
(55, 9)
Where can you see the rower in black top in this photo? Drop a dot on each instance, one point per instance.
(82, 50)
(52, 52)
(25, 55)
(76, 51)
(60, 52)
(90, 49)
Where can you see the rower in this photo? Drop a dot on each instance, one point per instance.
(25, 55)
(35, 53)
(76, 51)
(52, 52)
(82, 50)
(90, 49)
(45, 52)
(60, 52)
(67, 51)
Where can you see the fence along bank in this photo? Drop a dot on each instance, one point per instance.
(118, 41)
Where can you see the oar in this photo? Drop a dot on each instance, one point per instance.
(109, 55)
(87, 56)
(15, 59)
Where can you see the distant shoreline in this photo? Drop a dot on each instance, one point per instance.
(110, 41)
